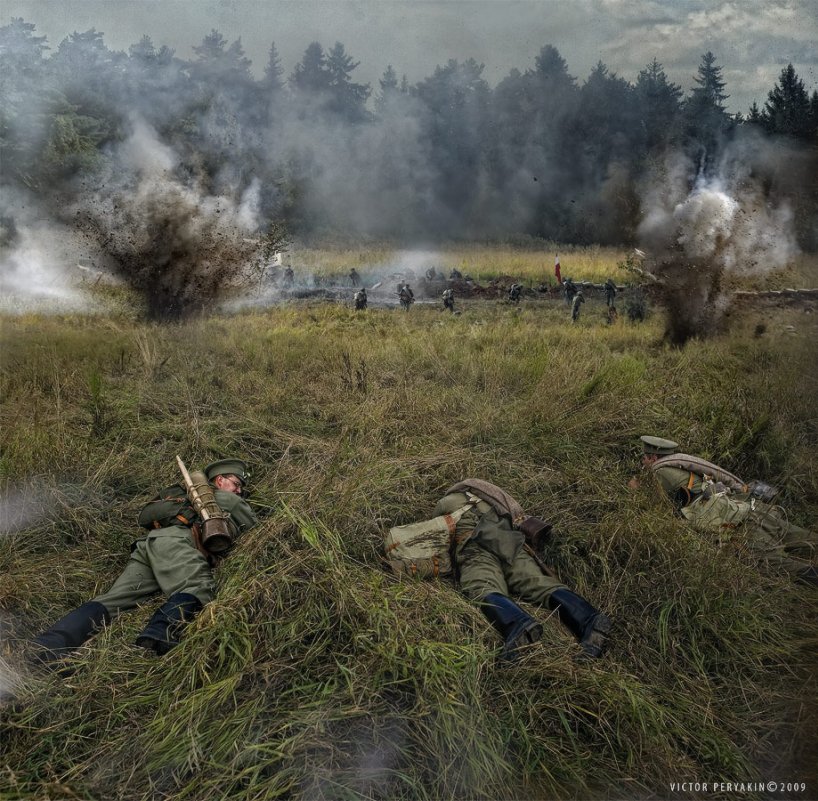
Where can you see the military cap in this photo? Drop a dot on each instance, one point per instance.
(228, 467)
(659, 446)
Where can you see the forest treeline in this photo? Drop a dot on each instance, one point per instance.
(540, 154)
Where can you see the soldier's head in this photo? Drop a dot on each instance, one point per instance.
(655, 448)
(230, 475)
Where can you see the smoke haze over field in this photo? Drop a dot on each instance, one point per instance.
(179, 172)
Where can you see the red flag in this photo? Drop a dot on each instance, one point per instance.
(557, 269)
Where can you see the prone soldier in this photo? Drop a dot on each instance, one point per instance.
(514, 293)
(495, 553)
(713, 500)
(174, 557)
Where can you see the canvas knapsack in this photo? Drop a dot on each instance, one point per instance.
(422, 549)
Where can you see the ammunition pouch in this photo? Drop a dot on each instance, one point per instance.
(172, 507)
(217, 535)
(536, 532)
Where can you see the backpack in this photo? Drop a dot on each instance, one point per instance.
(422, 549)
(170, 507)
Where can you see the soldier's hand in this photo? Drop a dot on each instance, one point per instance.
(634, 483)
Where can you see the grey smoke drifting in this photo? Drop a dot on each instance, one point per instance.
(698, 229)
(179, 246)
(38, 258)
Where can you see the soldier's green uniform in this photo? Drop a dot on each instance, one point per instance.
(736, 517)
(167, 560)
(490, 557)
(493, 561)
(579, 299)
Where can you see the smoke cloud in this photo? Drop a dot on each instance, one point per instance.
(40, 260)
(171, 240)
(699, 229)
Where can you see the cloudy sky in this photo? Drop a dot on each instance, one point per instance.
(752, 39)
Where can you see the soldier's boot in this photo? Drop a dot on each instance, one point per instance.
(590, 626)
(165, 626)
(809, 576)
(516, 627)
(68, 633)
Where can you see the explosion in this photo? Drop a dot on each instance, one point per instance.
(179, 247)
(724, 225)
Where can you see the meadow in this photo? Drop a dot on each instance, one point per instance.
(315, 674)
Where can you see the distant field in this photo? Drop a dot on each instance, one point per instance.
(316, 675)
(531, 265)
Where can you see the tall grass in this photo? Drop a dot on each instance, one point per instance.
(314, 674)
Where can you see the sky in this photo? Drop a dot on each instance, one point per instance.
(752, 39)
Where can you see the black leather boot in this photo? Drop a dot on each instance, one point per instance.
(163, 629)
(590, 626)
(515, 626)
(68, 633)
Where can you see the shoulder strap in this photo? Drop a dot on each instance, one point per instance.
(700, 467)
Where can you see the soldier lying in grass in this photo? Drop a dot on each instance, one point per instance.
(494, 558)
(714, 500)
(170, 559)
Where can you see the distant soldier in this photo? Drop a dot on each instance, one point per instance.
(455, 274)
(431, 274)
(354, 278)
(407, 297)
(578, 300)
(515, 291)
(715, 501)
(570, 289)
(360, 299)
(448, 299)
(496, 555)
(610, 300)
(610, 293)
(170, 558)
(289, 276)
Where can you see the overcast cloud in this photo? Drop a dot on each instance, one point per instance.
(752, 39)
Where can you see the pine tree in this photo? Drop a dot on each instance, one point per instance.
(271, 82)
(787, 110)
(389, 90)
(311, 75)
(705, 113)
(659, 104)
(710, 89)
(347, 98)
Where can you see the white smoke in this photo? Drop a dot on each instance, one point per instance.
(21, 508)
(723, 222)
(39, 261)
(698, 228)
(143, 153)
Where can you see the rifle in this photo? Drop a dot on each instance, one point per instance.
(216, 536)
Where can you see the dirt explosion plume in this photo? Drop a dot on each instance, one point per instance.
(179, 247)
(726, 224)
